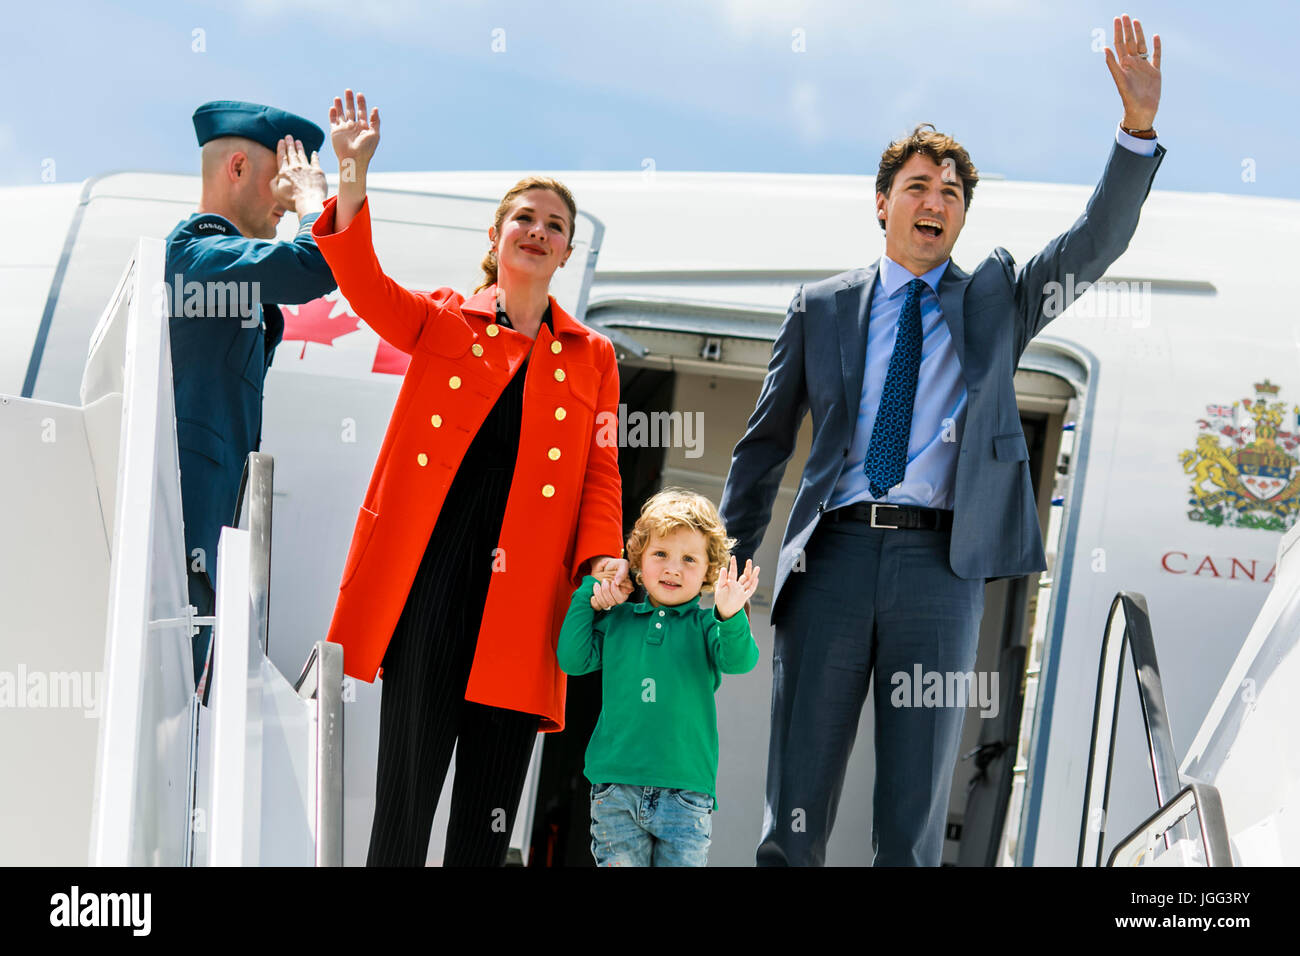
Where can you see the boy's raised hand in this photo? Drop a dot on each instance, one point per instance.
(731, 590)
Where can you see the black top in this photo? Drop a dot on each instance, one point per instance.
(503, 319)
(496, 445)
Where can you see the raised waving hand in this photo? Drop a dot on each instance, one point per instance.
(1136, 72)
(732, 591)
(354, 136)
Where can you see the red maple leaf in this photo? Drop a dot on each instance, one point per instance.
(314, 321)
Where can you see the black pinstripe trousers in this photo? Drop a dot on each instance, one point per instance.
(423, 711)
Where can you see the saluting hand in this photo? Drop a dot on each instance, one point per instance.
(300, 183)
(732, 591)
(1136, 73)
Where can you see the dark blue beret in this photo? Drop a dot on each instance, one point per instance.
(262, 124)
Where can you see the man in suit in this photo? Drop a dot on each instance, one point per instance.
(917, 488)
(223, 271)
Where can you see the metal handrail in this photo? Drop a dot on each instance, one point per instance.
(1201, 798)
(1155, 716)
(322, 680)
(259, 474)
(322, 676)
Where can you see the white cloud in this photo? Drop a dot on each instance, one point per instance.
(747, 17)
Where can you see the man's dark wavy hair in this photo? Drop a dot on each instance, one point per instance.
(938, 146)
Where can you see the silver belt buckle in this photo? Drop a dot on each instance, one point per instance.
(873, 516)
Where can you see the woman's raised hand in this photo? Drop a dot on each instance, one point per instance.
(353, 135)
(731, 590)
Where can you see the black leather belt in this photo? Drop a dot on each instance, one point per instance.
(899, 517)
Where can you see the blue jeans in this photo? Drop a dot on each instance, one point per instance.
(649, 826)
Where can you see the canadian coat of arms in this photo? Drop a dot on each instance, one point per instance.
(1245, 471)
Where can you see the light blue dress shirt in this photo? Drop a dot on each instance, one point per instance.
(939, 411)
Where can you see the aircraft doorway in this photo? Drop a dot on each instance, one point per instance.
(983, 808)
(1014, 615)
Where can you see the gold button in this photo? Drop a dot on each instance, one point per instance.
(476, 349)
(555, 348)
(548, 491)
(454, 381)
(422, 458)
(437, 421)
(559, 414)
(553, 454)
(559, 375)
(492, 330)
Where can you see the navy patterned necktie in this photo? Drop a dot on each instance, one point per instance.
(887, 452)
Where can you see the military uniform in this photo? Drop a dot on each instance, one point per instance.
(223, 335)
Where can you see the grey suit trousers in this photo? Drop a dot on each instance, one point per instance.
(870, 601)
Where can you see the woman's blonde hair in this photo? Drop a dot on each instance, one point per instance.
(489, 262)
(675, 508)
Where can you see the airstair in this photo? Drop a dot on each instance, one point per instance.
(110, 759)
(1234, 800)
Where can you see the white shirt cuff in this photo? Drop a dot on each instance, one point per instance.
(1143, 147)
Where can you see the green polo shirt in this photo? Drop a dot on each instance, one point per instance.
(658, 724)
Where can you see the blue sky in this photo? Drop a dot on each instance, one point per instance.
(689, 84)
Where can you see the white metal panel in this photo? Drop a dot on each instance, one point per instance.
(234, 817)
(142, 788)
(1247, 746)
(53, 585)
(288, 777)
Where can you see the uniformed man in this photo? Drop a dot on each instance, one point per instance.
(223, 273)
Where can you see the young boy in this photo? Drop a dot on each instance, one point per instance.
(653, 757)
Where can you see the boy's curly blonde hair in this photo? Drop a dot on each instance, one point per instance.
(675, 508)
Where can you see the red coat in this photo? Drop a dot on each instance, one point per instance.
(565, 501)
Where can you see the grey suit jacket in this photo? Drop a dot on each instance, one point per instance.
(819, 359)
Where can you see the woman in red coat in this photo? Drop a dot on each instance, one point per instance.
(491, 498)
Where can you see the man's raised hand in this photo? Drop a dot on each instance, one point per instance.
(353, 135)
(731, 592)
(1136, 73)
